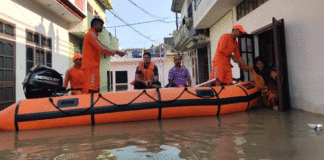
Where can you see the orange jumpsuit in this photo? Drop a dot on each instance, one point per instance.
(222, 69)
(92, 48)
(76, 77)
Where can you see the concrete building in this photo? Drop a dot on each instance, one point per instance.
(286, 32)
(94, 8)
(33, 32)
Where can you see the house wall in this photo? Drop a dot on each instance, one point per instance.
(99, 8)
(75, 46)
(203, 8)
(30, 15)
(184, 10)
(304, 46)
(187, 62)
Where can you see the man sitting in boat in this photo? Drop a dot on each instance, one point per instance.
(75, 75)
(147, 74)
(179, 75)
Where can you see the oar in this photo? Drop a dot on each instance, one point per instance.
(212, 80)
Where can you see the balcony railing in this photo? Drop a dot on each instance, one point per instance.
(181, 38)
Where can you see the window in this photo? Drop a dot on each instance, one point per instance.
(49, 43)
(43, 41)
(29, 37)
(7, 72)
(7, 29)
(36, 39)
(38, 50)
(30, 58)
(1, 27)
(248, 6)
(40, 57)
(121, 81)
(49, 59)
(37, 56)
(109, 81)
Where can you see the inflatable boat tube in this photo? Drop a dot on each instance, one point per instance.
(137, 105)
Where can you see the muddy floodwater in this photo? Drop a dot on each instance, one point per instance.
(256, 134)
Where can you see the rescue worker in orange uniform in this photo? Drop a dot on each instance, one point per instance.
(147, 74)
(92, 48)
(75, 75)
(222, 69)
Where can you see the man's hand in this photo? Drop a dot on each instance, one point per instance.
(235, 59)
(147, 83)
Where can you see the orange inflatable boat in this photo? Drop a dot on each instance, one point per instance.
(138, 105)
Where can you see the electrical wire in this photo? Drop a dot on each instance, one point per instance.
(154, 16)
(115, 14)
(137, 23)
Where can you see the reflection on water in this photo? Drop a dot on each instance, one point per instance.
(256, 134)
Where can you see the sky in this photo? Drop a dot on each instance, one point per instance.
(139, 11)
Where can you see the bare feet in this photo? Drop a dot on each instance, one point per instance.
(276, 108)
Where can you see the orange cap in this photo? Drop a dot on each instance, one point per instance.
(76, 56)
(239, 27)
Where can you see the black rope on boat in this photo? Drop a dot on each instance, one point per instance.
(169, 101)
(217, 95)
(123, 105)
(16, 116)
(143, 92)
(221, 90)
(76, 114)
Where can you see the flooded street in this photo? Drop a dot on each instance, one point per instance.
(255, 134)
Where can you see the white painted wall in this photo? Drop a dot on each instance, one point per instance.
(187, 62)
(203, 8)
(29, 15)
(304, 45)
(184, 10)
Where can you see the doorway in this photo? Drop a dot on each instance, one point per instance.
(203, 72)
(266, 46)
(272, 48)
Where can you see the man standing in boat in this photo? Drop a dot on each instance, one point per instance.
(92, 48)
(222, 69)
(178, 74)
(147, 74)
(75, 75)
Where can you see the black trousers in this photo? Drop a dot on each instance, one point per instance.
(140, 85)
